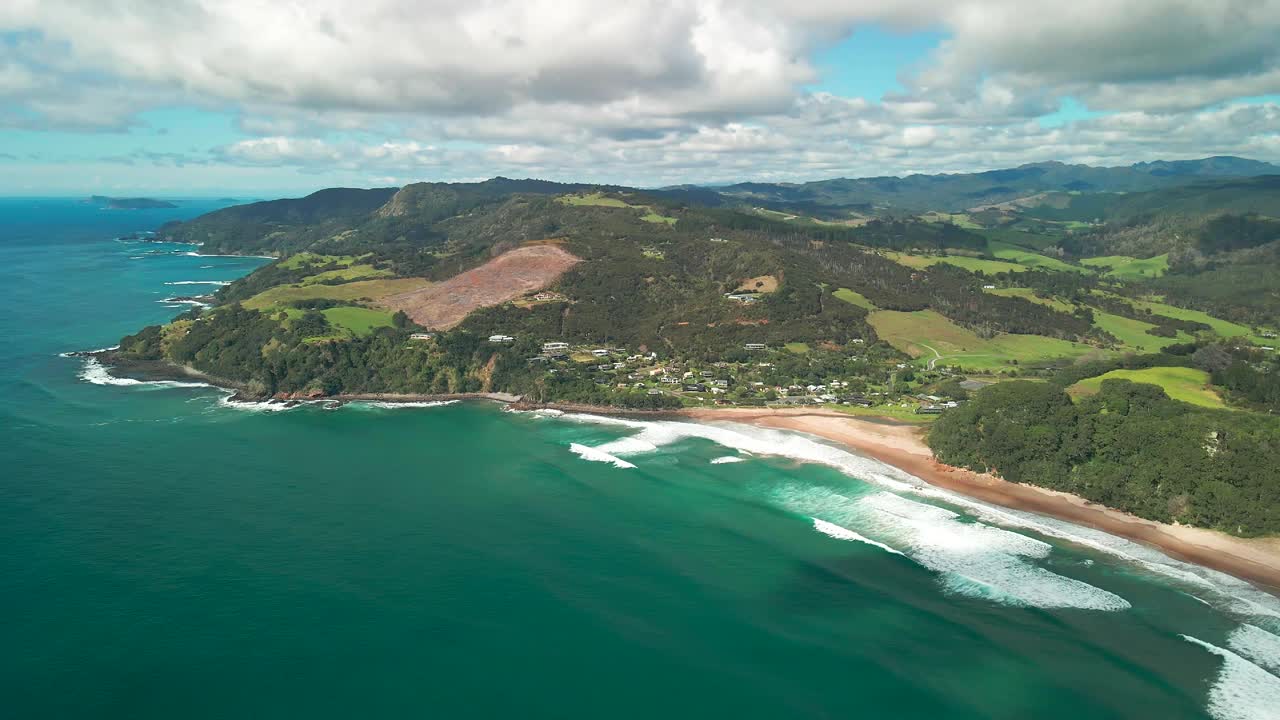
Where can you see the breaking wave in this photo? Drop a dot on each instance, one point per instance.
(594, 455)
(1242, 690)
(385, 405)
(1219, 589)
(198, 282)
(725, 459)
(842, 533)
(98, 374)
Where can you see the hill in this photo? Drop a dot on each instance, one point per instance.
(959, 192)
(648, 299)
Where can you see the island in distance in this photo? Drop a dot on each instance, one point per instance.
(114, 203)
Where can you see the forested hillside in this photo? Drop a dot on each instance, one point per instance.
(1150, 334)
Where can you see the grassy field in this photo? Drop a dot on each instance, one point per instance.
(600, 200)
(357, 320)
(1186, 384)
(595, 199)
(1124, 267)
(925, 334)
(958, 219)
(1029, 294)
(1133, 333)
(854, 298)
(654, 217)
(797, 347)
(971, 264)
(353, 272)
(310, 258)
(1224, 328)
(372, 289)
(1022, 256)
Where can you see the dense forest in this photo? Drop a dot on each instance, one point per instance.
(1128, 447)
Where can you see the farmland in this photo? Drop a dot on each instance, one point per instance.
(1187, 385)
(1123, 267)
(929, 336)
(854, 298)
(371, 290)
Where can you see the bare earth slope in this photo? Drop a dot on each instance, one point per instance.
(506, 277)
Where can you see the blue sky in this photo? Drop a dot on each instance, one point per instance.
(196, 97)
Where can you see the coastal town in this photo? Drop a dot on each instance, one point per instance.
(861, 378)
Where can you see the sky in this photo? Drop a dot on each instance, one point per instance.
(280, 97)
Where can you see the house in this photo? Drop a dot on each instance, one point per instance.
(600, 352)
(707, 374)
(722, 383)
(655, 391)
(1268, 333)
(988, 287)
(695, 387)
(857, 341)
(501, 339)
(929, 410)
(539, 359)
(669, 380)
(422, 336)
(755, 346)
(555, 347)
(859, 400)
(742, 297)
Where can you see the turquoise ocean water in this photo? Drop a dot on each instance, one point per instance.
(164, 554)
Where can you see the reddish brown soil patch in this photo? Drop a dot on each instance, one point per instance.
(506, 277)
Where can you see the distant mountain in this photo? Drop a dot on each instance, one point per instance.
(114, 203)
(1200, 196)
(961, 191)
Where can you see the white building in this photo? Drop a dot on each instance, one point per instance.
(501, 339)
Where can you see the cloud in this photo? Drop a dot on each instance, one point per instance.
(649, 91)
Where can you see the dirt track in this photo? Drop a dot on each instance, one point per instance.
(506, 277)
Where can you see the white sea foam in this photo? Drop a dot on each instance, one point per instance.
(1242, 690)
(255, 405)
(725, 459)
(198, 282)
(200, 254)
(98, 374)
(176, 301)
(971, 558)
(78, 353)
(1259, 646)
(594, 455)
(1221, 590)
(397, 405)
(843, 533)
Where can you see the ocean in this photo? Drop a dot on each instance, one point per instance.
(165, 553)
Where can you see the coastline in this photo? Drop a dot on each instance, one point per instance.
(1256, 560)
(901, 445)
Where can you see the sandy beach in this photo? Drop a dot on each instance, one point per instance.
(902, 446)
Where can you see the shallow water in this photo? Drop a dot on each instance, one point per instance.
(167, 554)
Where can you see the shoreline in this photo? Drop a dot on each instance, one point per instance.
(1256, 560)
(901, 445)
